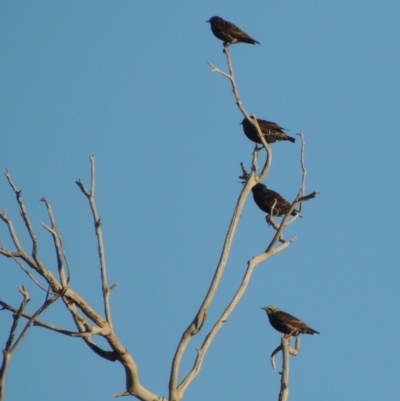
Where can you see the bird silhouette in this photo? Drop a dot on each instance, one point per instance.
(267, 198)
(287, 324)
(229, 33)
(271, 132)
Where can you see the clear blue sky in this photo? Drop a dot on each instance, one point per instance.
(128, 82)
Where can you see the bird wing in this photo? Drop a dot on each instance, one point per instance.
(292, 321)
(280, 202)
(234, 30)
(269, 125)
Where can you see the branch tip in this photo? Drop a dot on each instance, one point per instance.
(124, 394)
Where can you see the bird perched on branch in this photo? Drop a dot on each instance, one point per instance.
(229, 33)
(266, 198)
(272, 132)
(287, 324)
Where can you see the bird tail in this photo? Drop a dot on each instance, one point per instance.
(291, 139)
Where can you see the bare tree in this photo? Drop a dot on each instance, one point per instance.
(90, 322)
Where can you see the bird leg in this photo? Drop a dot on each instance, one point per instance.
(225, 46)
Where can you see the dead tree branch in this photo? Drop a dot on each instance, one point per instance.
(60, 252)
(90, 195)
(88, 321)
(197, 323)
(239, 103)
(286, 350)
(8, 349)
(176, 392)
(12, 345)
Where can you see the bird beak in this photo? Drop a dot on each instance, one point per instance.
(208, 21)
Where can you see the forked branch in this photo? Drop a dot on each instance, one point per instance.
(176, 391)
(8, 349)
(58, 246)
(88, 321)
(286, 350)
(239, 103)
(250, 179)
(12, 345)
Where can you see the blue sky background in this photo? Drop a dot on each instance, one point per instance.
(128, 82)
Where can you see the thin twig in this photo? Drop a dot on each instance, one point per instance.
(57, 243)
(8, 349)
(267, 147)
(40, 323)
(303, 168)
(100, 241)
(15, 256)
(11, 229)
(272, 209)
(24, 215)
(124, 394)
(301, 198)
(45, 305)
(303, 165)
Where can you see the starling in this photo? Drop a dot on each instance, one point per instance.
(271, 131)
(265, 199)
(228, 32)
(287, 324)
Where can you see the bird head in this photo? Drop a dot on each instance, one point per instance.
(259, 188)
(213, 19)
(270, 309)
(245, 119)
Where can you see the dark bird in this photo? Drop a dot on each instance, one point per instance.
(287, 324)
(265, 199)
(228, 32)
(272, 132)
